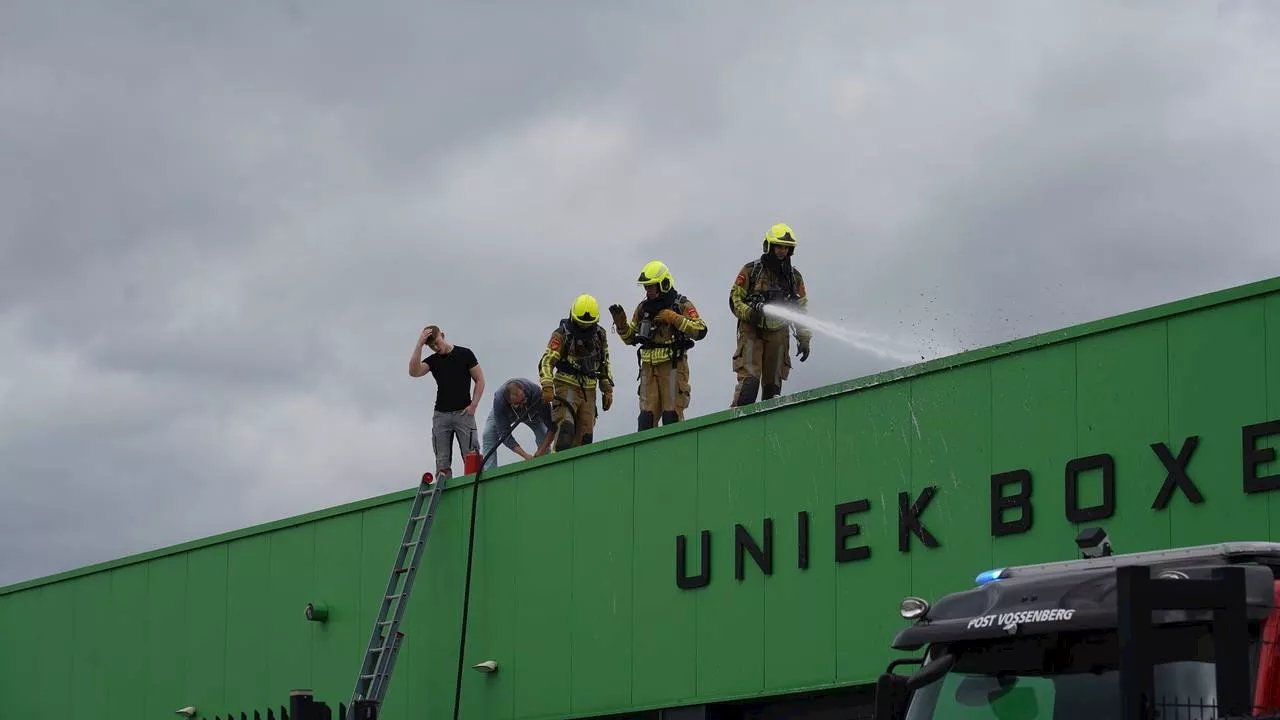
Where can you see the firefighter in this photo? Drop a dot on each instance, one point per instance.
(574, 365)
(761, 359)
(664, 326)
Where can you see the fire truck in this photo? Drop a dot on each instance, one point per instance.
(1185, 633)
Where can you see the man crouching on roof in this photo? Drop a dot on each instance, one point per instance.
(454, 367)
(517, 401)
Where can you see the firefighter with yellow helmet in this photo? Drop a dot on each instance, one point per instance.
(664, 326)
(574, 365)
(761, 359)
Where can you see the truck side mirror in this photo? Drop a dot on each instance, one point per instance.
(893, 691)
(892, 696)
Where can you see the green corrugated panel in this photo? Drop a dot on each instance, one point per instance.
(164, 640)
(875, 435)
(730, 611)
(338, 643)
(951, 457)
(1027, 389)
(1217, 383)
(1271, 312)
(602, 512)
(665, 626)
(126, 617)
(1123, 396)
(799, 603)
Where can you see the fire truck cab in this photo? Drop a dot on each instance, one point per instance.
(1044, 641)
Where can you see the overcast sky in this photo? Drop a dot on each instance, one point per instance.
(222, 225)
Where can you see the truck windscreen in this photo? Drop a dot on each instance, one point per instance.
(1068, 676)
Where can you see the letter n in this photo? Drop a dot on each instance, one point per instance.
(744, 543)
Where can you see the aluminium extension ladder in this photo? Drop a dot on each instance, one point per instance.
(384, 642)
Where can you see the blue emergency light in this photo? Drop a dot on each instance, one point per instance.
(990, 576)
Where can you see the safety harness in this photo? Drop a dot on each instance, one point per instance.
(785, 293)
(588, 365)
(679, 345)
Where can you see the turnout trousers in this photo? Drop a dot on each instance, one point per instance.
(664, 392)
(761, 361)
(574, 414)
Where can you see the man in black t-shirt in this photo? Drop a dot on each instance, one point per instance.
(454, 367)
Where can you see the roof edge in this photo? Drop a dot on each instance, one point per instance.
(1164, 311)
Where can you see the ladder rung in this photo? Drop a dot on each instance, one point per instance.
(386, 622)
(393, 597)
(397, 571)
(411, 542)
(423, 516)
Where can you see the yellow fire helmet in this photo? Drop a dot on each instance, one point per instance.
(656, 272)
(780, 234)
(585, 310)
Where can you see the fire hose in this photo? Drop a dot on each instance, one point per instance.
(471, 543)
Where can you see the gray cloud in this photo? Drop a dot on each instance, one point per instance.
(223, 226)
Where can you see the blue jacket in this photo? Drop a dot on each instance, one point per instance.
(534, 409)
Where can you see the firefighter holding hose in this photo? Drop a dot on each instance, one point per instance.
(665, 326)
(574, 366)
(761, 359)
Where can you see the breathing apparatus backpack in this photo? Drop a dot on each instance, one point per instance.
(647, 328)
(586, 365)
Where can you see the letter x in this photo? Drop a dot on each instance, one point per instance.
(1177, 476)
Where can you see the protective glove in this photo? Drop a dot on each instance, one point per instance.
(607, 400)
(619, 318)
(757, 312)
(548, 394)
(669, 316)
(803, 349)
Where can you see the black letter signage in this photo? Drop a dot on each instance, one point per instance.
(1253, 457)
(1107, 464)
(909, 519)
(742, 540)
(845, 554)
(1020, 500)
(1009, 503)
(803, 539)
(683, 581)
(1177, 476)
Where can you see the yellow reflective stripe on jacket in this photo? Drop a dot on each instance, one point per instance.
(653, 356)
(550, 356)
(691, 326)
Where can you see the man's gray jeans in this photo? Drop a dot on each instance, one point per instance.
(445, 427)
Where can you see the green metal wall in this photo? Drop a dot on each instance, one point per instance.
(574, 587)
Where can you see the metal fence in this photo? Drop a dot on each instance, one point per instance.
(1203, 709)
(302, 706)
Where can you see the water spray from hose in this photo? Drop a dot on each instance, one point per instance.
(868, 342)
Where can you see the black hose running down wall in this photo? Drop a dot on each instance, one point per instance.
(466, 592)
